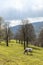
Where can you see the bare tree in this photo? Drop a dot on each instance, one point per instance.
(7, 33)
(27, 32)
(24, 30)
(40, 39)
(1, 28)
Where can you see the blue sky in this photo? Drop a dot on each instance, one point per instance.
(21, 9)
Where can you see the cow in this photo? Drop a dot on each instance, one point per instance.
(28, 50)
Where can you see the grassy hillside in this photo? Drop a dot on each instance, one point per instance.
(13, 55)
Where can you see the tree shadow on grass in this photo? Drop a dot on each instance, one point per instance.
(2, 44)
(29, 54)
(36, 48)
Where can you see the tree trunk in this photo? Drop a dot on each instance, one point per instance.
(7, 43)
(27, 43)
(24, 44)
(7, 40)
(24, 40)
(19, 41)
(16, 40)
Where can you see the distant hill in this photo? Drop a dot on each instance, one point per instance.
(37, 26)
(15, 28)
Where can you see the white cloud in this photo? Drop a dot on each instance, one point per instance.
(14, 22)
(37, 5)
(27, 8)
(31, 20)
(36, 19)
(22, 4)
(16, 4)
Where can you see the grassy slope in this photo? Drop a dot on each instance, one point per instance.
(13, 55)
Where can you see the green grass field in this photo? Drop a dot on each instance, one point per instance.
(13, 55)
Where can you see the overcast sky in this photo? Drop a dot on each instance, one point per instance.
(21, 9)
